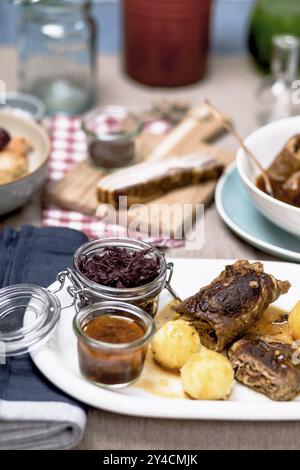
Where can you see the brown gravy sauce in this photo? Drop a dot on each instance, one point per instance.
(274, 323)
(154, 378)
(102, 365)
(159, 381)
(114, 329)
(283, 195)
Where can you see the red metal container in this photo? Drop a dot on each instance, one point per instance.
(166, 41)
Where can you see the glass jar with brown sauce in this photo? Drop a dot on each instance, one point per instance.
(112, 339)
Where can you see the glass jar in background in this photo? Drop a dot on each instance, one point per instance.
(56, 45)
(275, 95)
(111, 135)
(166, 41)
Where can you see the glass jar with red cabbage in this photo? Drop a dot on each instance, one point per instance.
(120, 269)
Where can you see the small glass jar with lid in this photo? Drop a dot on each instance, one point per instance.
(144, 296)
(56, 48)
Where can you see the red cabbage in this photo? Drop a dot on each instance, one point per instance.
(120, 267)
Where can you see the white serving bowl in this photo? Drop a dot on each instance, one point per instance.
(15, 194)
(266, 142)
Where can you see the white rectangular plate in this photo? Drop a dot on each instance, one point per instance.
(57, 360)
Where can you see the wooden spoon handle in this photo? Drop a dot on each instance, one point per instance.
(228, 126)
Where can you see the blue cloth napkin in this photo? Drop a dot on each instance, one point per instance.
(33, 413)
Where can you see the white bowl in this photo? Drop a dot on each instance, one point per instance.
(266, 142)
(15, 194)
(24, 105)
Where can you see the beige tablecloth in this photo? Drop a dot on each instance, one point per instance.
(111, 431)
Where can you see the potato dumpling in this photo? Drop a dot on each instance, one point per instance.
(174, 343)
(207, 375)
(294, 321)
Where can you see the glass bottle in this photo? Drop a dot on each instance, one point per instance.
(275, 98)
(56, 44)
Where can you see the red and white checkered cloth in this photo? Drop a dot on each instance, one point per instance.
(68, 148)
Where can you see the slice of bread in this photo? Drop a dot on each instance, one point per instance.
(146, 181)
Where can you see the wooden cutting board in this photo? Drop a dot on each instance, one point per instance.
(77, 190)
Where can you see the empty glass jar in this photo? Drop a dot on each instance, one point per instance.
(56, 44)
